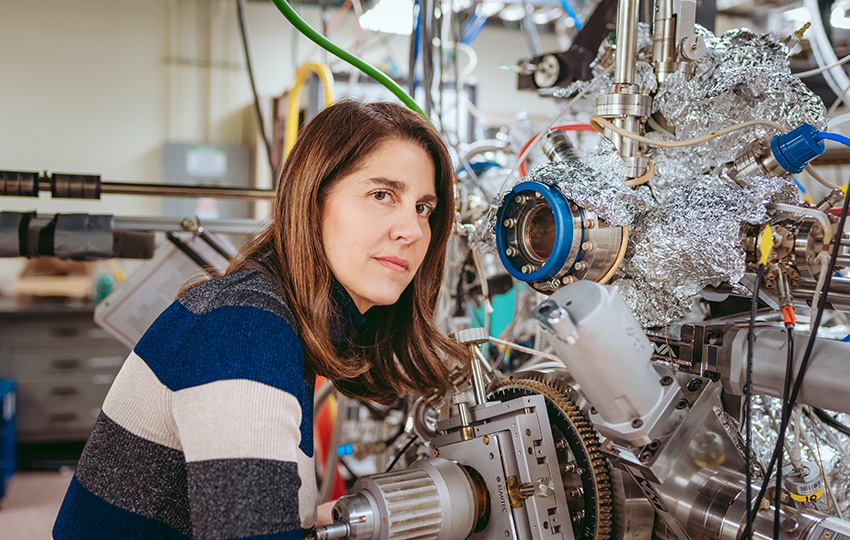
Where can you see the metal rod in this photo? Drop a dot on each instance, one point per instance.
(175, 190)
(627, 24)
(477, 378)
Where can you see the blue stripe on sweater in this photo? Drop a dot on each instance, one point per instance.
(84, 515)
(185, 349)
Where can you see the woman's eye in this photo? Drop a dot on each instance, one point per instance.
(424, 210)
(380, 195)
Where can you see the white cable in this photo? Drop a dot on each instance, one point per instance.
(823, 259)
(528, 350)
(835, 77)
(839, 120)
(811, 72)
(797, 447)
(598, 123)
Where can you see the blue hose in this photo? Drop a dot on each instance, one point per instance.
(572, 13)
(473, 28)
(834, 137)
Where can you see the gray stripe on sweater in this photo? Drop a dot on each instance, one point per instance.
(237, 498)
(246, 288)
(135, 474)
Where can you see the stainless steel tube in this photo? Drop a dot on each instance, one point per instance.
(175, 190)
(627, 25)
(825, 382)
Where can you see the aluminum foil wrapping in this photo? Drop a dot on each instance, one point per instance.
(743, 76)
(819, 443)
(687, 241)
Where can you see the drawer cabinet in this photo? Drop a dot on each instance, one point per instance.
(64, 365)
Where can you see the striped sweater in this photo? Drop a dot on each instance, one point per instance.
(206, 432)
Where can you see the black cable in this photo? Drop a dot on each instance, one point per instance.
(831, 421)
(401, 452)
(804, 364)
(786, 414)
(240, 8)
(751, 338)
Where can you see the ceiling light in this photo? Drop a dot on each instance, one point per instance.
(390, 17)
(839, 18)
(512, 13)
(488, 9)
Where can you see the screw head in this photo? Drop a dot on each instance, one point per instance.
(666, 380)
(637, 422)
(694, 385)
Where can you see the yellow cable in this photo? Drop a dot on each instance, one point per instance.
(600, 124)
(290, 131)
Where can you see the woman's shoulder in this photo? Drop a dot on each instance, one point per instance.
(244, 289)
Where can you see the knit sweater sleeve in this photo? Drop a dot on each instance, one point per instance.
(243, 415)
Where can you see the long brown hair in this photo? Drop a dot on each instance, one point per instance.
(399, 348)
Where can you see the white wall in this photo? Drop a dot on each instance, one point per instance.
(96, 86)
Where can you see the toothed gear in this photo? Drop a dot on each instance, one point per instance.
(590, 503)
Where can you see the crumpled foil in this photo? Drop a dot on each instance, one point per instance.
(687, 241)
(820, 444)
(743, 76)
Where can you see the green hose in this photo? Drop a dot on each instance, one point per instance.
(329, 46)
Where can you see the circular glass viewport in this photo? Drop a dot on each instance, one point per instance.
(538, 233)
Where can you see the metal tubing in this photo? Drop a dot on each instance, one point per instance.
(175, 190)
(824, 385)
(627, 24)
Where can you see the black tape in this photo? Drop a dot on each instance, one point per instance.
(82, 236)
(13, 233)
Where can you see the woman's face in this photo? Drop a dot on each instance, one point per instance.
(375, 225)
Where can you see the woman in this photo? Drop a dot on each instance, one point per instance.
(207, 430)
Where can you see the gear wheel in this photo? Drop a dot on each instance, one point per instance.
(583, 468)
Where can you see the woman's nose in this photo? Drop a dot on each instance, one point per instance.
(407, 226)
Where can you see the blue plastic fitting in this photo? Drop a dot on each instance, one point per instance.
(345, 450)
(795, 149)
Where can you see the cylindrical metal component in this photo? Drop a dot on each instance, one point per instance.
(784, 287)
(839, 292)
(664, 40)
(610, 357)
(18, 184)
(824, 384)
(174, 190)
(755, 160)
(334, 530)
(477, 378)
(557, 146)
(627, 25)
(431, 500)
(626, 107)
(834, 197)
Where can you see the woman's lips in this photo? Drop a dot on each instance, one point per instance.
(396, 264)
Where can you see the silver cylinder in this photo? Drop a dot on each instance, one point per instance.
(627, 25)
(824, 385)
(557, 146)
(431, 500)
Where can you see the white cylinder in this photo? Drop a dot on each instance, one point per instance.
(605, 349)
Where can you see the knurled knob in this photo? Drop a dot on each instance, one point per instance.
(471, 336)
